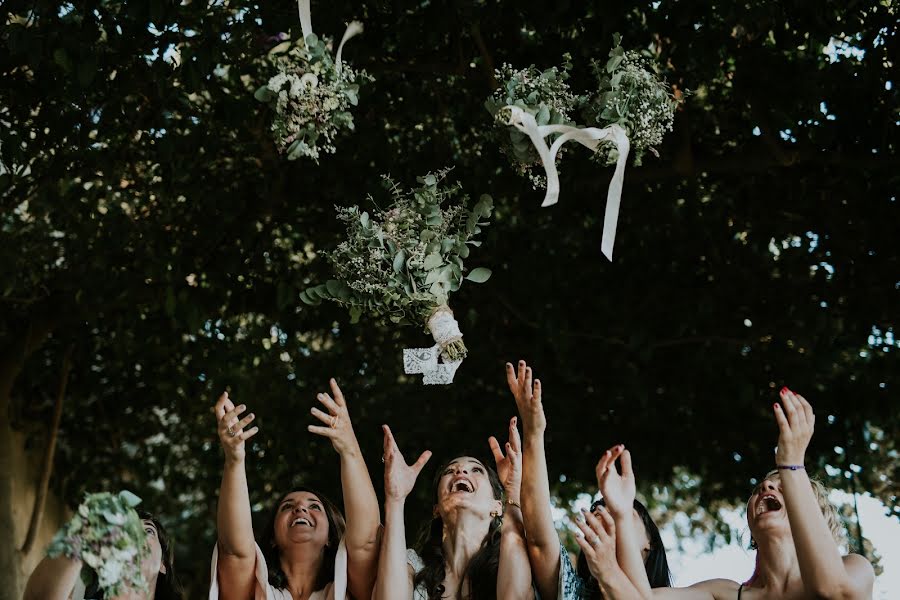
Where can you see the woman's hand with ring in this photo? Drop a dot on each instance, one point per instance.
(231, 428)
(338, 427)
(598, 543)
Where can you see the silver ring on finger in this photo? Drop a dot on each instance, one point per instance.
(594, 540)
(334, 421)
(231, 431)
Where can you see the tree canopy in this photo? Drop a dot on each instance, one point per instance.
(151, 232)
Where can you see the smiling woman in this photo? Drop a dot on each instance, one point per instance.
(308, 552)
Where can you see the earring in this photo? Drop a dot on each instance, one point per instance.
(494, 514)
(753, 545)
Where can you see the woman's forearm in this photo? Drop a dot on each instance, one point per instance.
(541, 536)
(393, 582)
(628, 554)
(363, 523)
(616, 585)
(234, 523)
(53, 579)
(821, 566)
(514, 572)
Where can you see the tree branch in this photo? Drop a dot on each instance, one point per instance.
(40, 498)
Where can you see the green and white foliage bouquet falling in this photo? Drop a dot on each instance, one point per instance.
(632, 95)
(403, 262)
(544, 94)
(311, 93)
(107, 535)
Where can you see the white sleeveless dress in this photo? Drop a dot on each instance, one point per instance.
(336, 590)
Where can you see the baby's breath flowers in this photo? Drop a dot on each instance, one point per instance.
(106, 534)
(402, 263)
(311, 95)
(544, 94)
(634, 97)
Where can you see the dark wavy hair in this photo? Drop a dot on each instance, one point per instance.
(656, 565)
(167, 584)
(272, 553)
(481, 572)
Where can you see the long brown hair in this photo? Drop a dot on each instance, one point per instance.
(481, 572)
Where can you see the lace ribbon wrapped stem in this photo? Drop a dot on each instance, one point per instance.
(448, 347)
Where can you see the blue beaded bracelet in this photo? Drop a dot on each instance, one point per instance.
(790, 467)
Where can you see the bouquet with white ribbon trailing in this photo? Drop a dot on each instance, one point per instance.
(402, 264)
(630, 111)
(107, 535)
(312, 93)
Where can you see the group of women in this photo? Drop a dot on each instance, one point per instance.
(491, 534)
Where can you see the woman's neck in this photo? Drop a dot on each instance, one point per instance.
(464, 534)
(301, 566)
(777, 567)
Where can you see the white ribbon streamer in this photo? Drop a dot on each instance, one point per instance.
(589, 137)
(444, 329)
(353, 29)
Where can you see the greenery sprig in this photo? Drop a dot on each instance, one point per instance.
(311, 97)
(107, 535)
(403, 263)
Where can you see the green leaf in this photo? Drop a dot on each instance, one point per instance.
(432, 261)
(479, 275)
(364, 220)
(613, 63)
(305, 298)
(430, 180)
(399, 261)
(355, 314)
(264, 94)
(434, 220)
(129, 498)
(543, 115)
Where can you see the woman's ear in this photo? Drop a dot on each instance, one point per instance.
(498, 507)
(162, 567)
(434, 512)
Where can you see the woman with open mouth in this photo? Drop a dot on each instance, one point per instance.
(308, 552)
(795, 530)
(472, 549)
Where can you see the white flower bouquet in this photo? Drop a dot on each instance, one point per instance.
(312, 92)
(404, 262)
(544, 94)
(633, 96)
(107, 535)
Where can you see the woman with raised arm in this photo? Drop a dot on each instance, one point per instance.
(796, 531)
(552, 570)
(472, 549)
(56, 578)
(307, 551)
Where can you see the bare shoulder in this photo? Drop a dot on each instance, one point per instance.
(711, 589)
(861, 574)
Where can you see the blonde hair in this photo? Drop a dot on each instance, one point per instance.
(829, 511)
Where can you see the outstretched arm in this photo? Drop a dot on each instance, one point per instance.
(237, 549)
(541, 536)
(53, 579)
(825, 573)
(514, 572)
(598, 544)
(395, 576)
(360, 501)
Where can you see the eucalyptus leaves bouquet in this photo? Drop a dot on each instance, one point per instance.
(632, 95)
(107, 535)
(402, 263)
(311, 94)
(544, 94)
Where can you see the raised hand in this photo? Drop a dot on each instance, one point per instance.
(509, 467)
(618, 489)
(796, 423)
(231, 428)
(528, 397)
(598, 543)
(339, 429)
(399, 477)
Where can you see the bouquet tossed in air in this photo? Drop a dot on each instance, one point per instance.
(403, 262)
(107, 535)
(544, 94)
(632, 95)
(311, 94)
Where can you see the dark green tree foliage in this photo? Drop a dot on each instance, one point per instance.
(148, 222)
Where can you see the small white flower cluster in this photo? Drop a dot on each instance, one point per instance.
(312, 99)
(108, 536)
